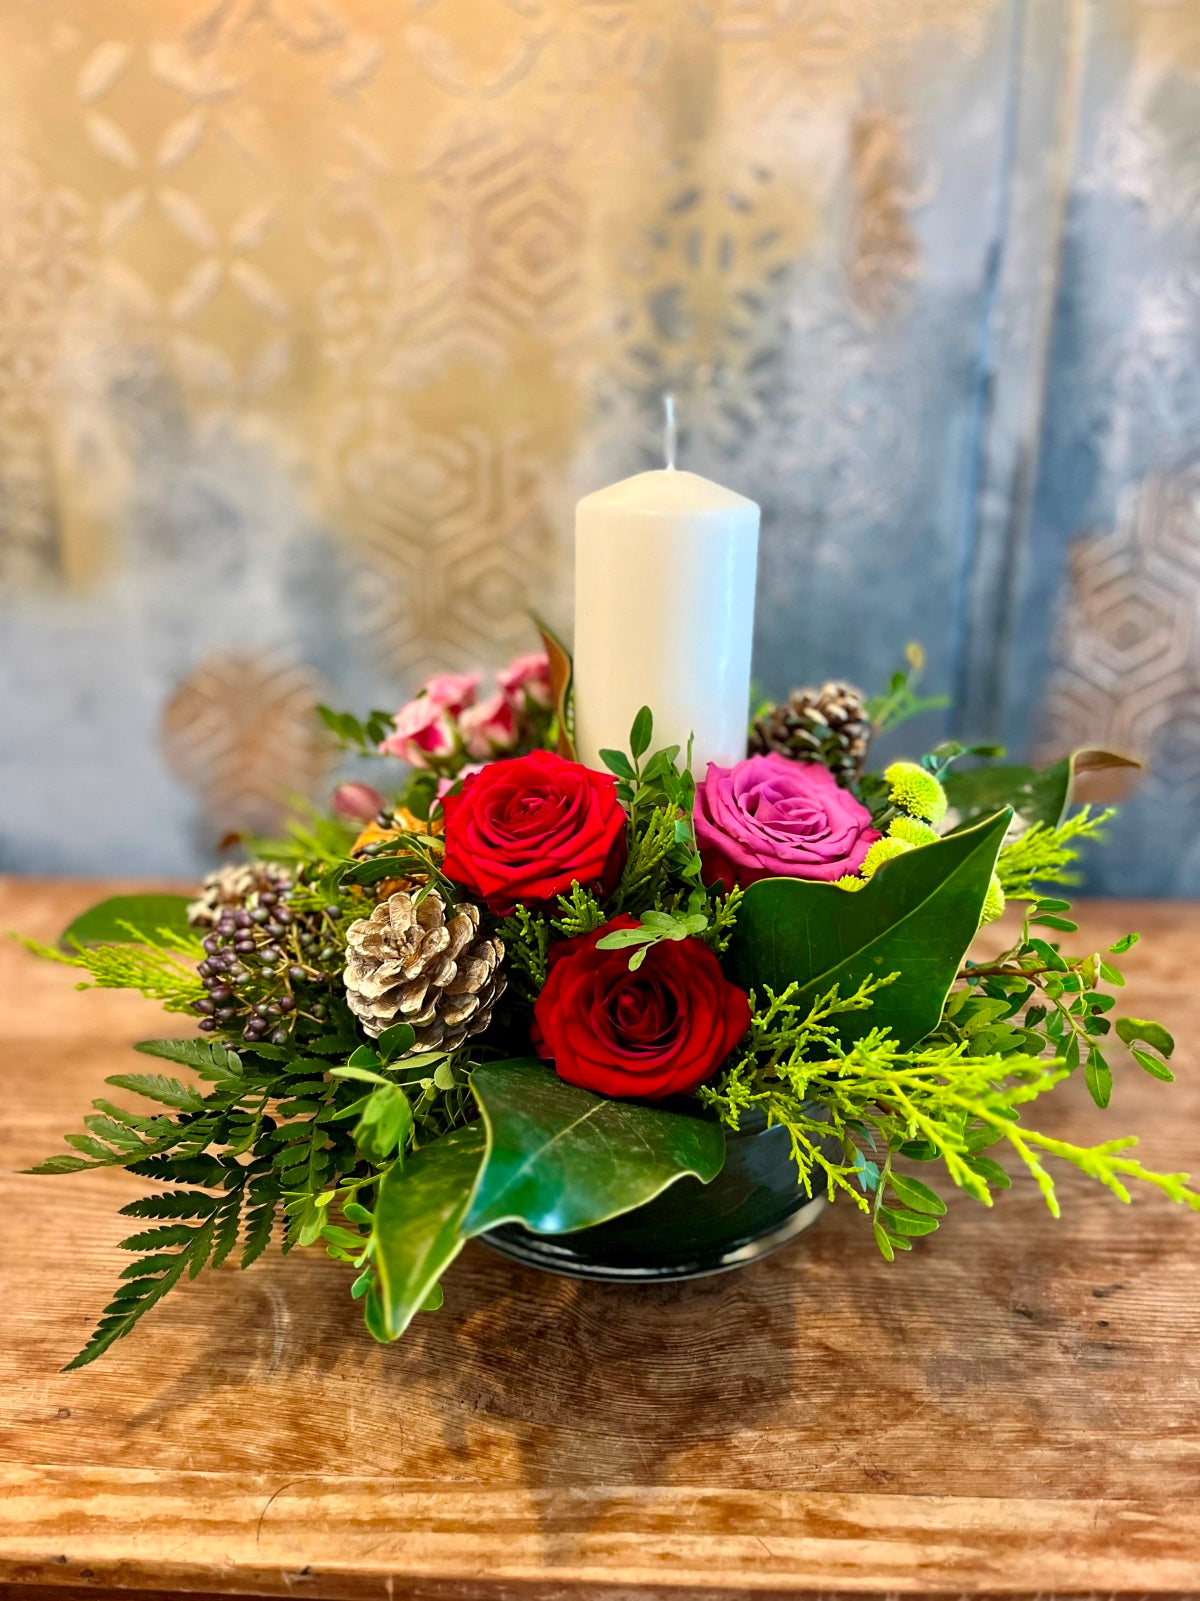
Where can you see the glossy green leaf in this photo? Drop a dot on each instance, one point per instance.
(916, 1195)
(109, 922)
(1152, 1065)
(418, 1226)
(916, 918)
(395, 1041)
(641, 733)
(906, 1223)
(562, 1158)
(1152, 1034)
(1035, 796)
(1098, 1077)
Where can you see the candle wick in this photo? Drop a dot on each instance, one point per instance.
(669, 435)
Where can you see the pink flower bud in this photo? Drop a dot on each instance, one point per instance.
(445, 785)
(357, 800)
(423, 734)
(452, 692)
(489, 728)
(527, 675)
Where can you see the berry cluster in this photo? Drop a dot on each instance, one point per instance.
(268, 964)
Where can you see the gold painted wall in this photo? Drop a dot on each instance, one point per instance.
(316, 316)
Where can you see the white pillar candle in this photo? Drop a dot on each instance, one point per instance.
(664, 615)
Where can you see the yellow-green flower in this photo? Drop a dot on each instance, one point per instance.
(916, 792)
(993, 902)
(883, 850)
(849, 881)
(913, 831)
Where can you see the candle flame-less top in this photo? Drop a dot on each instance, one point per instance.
(667, 492)
(665, 567)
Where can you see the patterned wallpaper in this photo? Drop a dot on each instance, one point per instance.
(316, 318)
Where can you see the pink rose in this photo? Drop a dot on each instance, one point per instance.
(423, 734)
(529, 675)
(768, 817)
(489, 728)
(452, 692)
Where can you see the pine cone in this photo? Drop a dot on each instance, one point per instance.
(828, 725)
(412, 964)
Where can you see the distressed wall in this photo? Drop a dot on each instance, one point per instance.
(315, 319)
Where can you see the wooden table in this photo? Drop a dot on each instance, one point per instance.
(1014, 1408)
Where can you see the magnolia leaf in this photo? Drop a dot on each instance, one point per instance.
(417, 1229)
(561, 673)
(562, 1158)
(1035, 796)
(915, 918)
(109, 922)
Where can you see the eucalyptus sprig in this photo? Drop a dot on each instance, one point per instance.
(655, 926)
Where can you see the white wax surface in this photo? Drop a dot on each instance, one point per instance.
(665, 567)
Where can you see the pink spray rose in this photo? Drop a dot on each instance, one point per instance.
(768, 817)
(423, 734)
(452, 692)
(529, 675)
(489, 728)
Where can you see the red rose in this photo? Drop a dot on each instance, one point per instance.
(661, 1030)
(527, 828)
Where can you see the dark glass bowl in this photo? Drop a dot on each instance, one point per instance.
(752, 1207)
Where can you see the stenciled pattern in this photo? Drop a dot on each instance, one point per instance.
(1129, 641)
(316, 317)
(243, 733)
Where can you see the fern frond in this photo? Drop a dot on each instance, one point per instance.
(211, 1059)
(157, 1087)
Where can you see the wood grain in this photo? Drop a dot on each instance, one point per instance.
(1014, 1408)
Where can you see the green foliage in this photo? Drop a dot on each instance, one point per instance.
(360, 738)
(1044, 854)
(528, 935)
(312, 837)
(1035, 795)
(663, 866)
(527, 938)
(653, 927)
(940, 1100)
(261, 1148)
(1036, 998)
(417, 1227)
(901, 700)
(160, 966)
(545, 1154)
(131, 919)
(914, 919)
(561, 1158)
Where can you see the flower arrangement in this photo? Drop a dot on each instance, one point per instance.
(513, 990)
